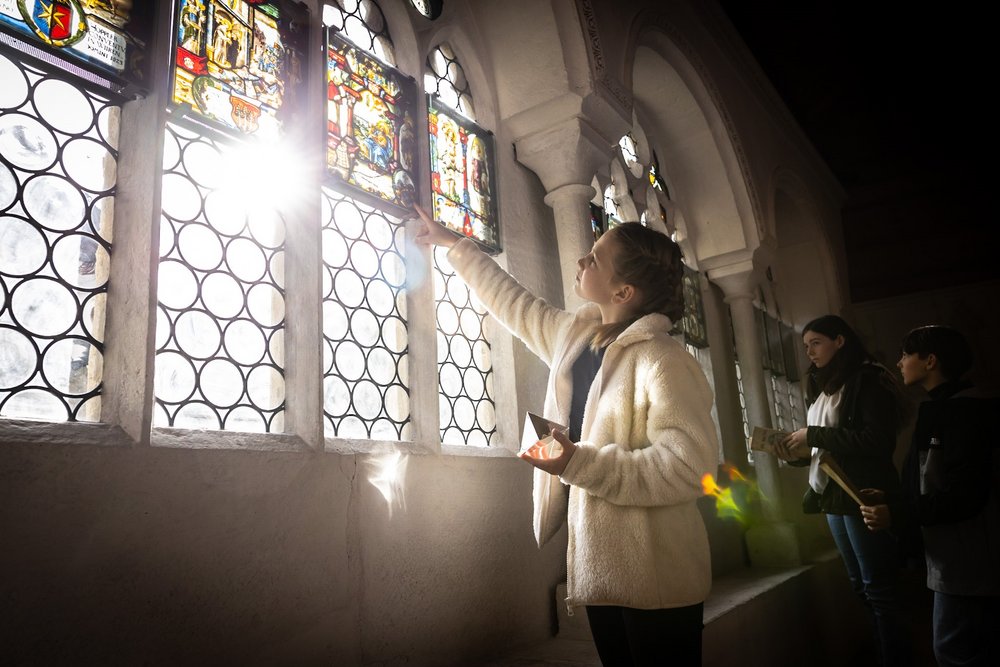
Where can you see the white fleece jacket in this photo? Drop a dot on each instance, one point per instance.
(636, 538)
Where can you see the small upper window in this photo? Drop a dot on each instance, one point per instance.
(428, 8)
(363, 23)
(627, 145)
(447, 80)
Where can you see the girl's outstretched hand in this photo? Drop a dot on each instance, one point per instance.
(557, 464)
(433, 233)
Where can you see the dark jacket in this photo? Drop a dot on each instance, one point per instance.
(951, 489)
(862, 443)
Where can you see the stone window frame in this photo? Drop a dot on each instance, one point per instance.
(128, 395)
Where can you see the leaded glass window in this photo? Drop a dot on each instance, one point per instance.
(371, 141)
(365, 346)
(462, 153)
(363, 24)
(462, 184)
(611, 207)
(692, 323)
(58, 159)
(656, 178)
(598, 221)
(221, 315)
(238, 65)
(430, 9)
(627, 146)
(446, 79)
(106, 38)
(466, 402)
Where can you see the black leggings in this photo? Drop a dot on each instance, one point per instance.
(628, 637)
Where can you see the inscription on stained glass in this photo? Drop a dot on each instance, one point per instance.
(371, 143)
(108, 36)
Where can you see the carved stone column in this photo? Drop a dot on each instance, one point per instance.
(565, 157)
(773, 543)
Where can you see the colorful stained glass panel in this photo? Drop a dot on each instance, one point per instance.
(462, 168)
(102, 35)
(371, 143)
(238, 63)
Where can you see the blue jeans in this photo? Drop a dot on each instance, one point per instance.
(964, 629)
(872, 564)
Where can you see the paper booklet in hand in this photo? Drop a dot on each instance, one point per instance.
(537, 441)
(763, 439)
(836, 473)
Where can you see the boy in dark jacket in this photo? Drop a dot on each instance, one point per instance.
(951, 489)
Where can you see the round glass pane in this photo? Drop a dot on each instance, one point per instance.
(349, 289)
(81, 261)
(380, 298)
(266, 305)
(474, 384)
(221, 382)
(44, 307)
(8, 187)
(461, 351)
(199, 246)
(367, 400)
(364, 328)
(26, 143)
(486, 415)
(336, 396)
(225, 212)
(334, 248)
(204, 164)
(221, 294)
(334, 320)
(245, 343)
(13, 85)
(364, 260)
(108, 120)
(180, 198)
(381, 366)
(347, 219)
(197, 334)
(397, 403)
(266, 387)
(18, 356)
(63, 106)
(349, 360)
(34, 404)
(246, 419)
(90, 164)
(72, 366)
(54, 202)
(23, 250)
(173, 377)
(451, 380)
(177, 287)
(447, 318)
(196, 416)
(394, 334)
(94, 309)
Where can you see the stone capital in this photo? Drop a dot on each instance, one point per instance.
(568, 152)
(737, 281)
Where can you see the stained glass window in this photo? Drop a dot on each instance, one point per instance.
(598, 221)
(462, 183)
(58, 167)
(371, 140)
(238, 64)
(692, 323)
(611, 207)
(627, 146)
(656, 178)
(101, 36)
(221, 314)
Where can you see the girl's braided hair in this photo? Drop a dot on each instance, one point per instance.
(651, 263)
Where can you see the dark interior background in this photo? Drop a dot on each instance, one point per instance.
(896, 99)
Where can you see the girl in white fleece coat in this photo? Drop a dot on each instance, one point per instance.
(638, 555)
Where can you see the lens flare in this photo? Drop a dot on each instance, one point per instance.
(387, 476)
(731, 502)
